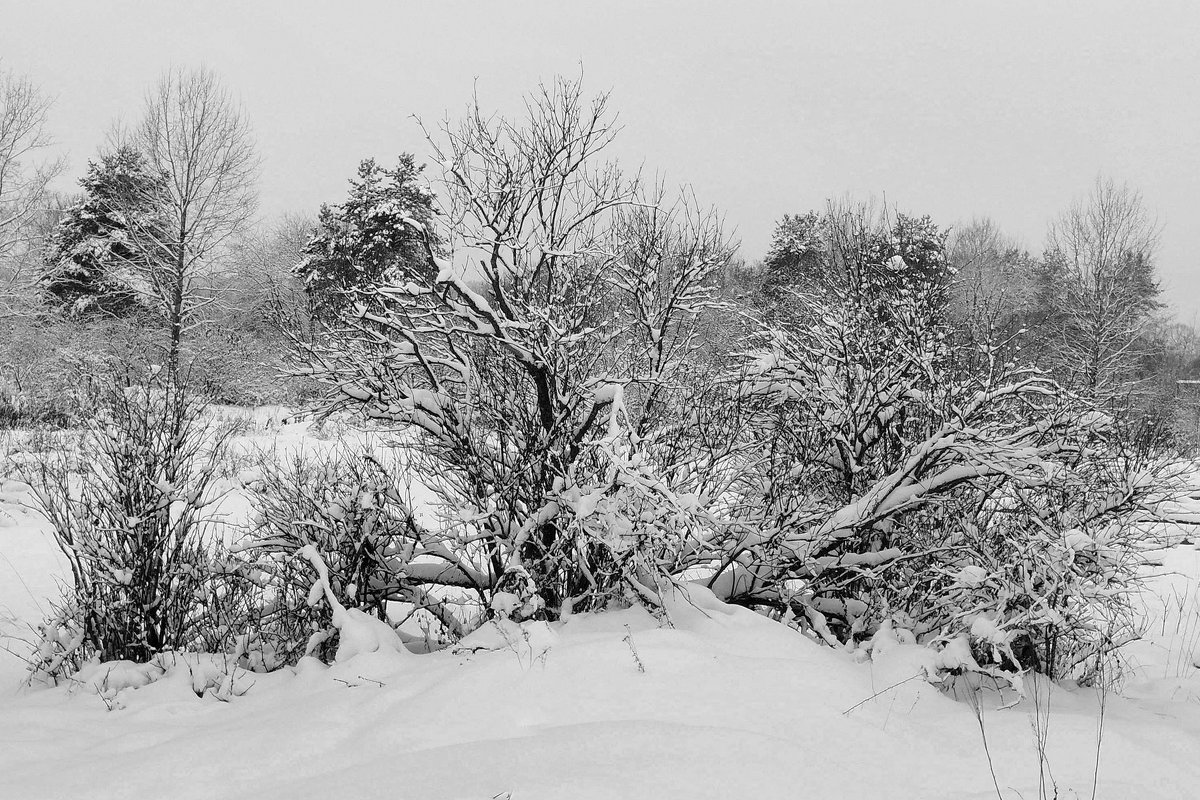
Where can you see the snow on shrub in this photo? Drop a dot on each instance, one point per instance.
(355, 513)
(358, 631)
(894, 485)
(859, 468)
(591, 290)
(131, 523)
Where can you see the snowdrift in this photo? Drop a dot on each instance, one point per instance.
(712, 702)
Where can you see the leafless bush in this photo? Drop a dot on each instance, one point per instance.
(892, 485)
(538, 393)
(347, 505)
(252, 610)
(131, 523)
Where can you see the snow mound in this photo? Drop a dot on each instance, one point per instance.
(703, 701)
(168, 676)
(358, 631)
(529, 641)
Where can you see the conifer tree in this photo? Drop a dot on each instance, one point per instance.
(377, 235)
(92, 266)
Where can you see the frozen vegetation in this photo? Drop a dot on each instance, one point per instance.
(567, 501)
(698, 699)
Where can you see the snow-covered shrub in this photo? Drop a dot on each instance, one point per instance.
(856, 469)
(1042, 577)
(591, 289)
(131, 522)
(629, 507)
(51, 371)
(246, 613)
(257, 599)
(357, 631)
(347, 506)
(891, 484)
(58, 641)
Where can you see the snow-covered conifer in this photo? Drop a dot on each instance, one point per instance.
(377, 235)
(92, 266)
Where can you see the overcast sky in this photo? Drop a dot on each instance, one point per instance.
(1008, 110)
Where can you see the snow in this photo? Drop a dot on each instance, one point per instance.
(985, 628)
(606, 393)
(703, 700)
(971, 576)
(358, 632)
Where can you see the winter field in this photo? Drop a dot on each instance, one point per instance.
(704, 700)
(515, 478)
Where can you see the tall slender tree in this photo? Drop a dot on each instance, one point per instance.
(25, 175)
(198, 139)
(992, 298)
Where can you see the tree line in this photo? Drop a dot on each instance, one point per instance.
(162, 232)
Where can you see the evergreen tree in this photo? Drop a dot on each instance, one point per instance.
(853, 250)
(377, 235)
(921, 247)
(798, 255)
(92, 266)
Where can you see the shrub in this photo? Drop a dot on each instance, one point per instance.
(354, 512)
(346, 505)
(248, 613)
(53, 372)
(591, 289)
(133, 529)
(892, 486)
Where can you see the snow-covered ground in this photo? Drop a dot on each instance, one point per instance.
(714, 702)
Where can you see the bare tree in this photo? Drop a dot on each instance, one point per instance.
(25, 173)
(1101, 253)
(199, 140)
(536, 394)
(264, 286)
(992, 297)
